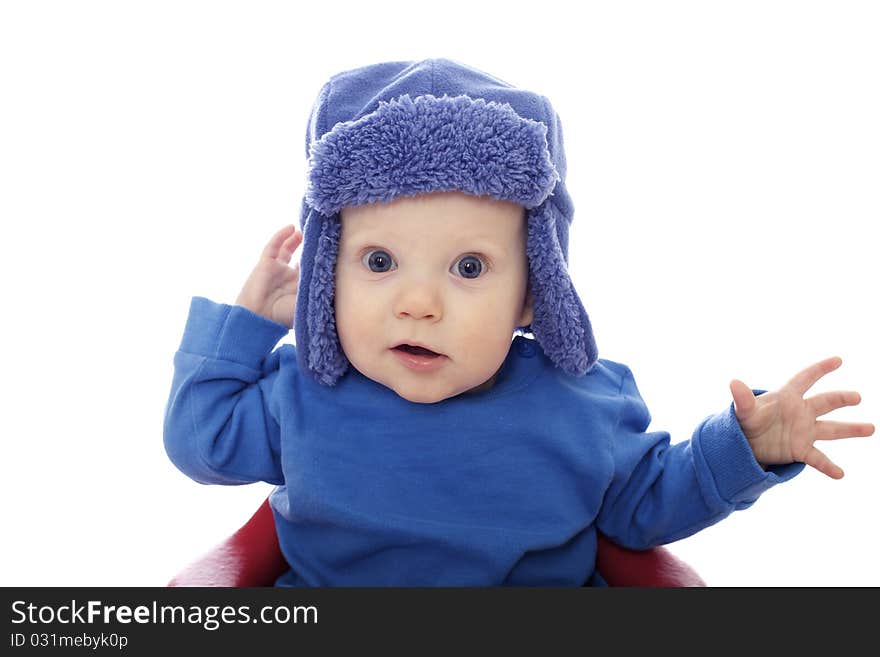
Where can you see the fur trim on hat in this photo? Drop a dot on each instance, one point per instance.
(410, 146)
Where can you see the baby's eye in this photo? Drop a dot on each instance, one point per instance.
(378, 261)
(469, 266)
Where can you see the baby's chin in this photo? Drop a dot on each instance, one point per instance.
(424, 399)
(419, 395)
(425, 395)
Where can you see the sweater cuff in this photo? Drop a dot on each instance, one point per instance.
(722, 447)
(233, 333)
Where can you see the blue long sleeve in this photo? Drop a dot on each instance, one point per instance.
(661, 492)
(504, 486)
(220, 424)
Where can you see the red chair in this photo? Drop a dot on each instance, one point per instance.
(252, 557)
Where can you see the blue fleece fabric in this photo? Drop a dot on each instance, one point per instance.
(503, 487)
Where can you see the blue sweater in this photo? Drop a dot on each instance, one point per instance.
(503, 487)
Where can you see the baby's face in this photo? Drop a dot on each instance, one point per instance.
(429, 291)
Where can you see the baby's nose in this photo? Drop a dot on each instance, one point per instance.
(419, 300)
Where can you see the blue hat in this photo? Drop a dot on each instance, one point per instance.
(397, 129)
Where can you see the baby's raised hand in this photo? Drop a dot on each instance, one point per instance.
(270, 290)
(781, 426)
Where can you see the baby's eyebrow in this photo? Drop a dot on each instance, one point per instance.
(370, 228)
(363, 238)
(483, 245)
(360, 235)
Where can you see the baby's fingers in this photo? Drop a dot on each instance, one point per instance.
(743, 400)
(275, 244)
(823, 464)
(830, 401)
(830, 430)
(804, 380)
(289, 246)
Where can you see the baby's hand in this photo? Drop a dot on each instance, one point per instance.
(270, 290)
(781, 426)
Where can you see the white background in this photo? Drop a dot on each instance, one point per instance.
(724, 161)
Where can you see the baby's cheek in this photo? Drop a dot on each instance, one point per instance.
(353, 328)
(349, 324)
(472, 335)
(486, 343)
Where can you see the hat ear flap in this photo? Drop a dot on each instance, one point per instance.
(560, 323)
(317, 343)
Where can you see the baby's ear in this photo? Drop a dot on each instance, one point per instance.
(528, 311)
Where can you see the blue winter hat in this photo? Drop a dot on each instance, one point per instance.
(396, 129)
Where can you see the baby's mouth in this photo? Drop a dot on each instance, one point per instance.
(417, 351)
(418, 358)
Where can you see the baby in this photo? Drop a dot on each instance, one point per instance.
(444, 418)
